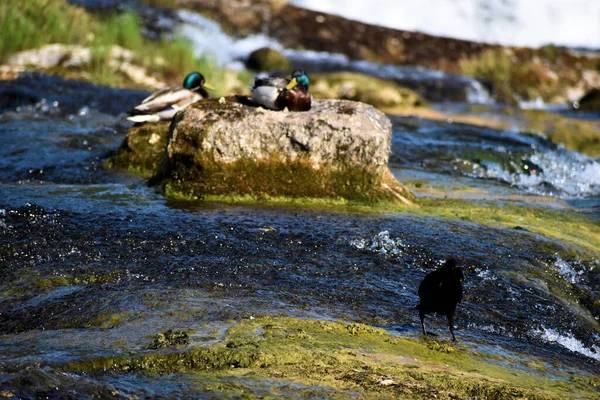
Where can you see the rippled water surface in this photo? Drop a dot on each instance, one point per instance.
(93, 261)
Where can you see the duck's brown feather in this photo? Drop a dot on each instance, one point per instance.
(296, 99)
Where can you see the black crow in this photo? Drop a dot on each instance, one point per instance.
(440, 292)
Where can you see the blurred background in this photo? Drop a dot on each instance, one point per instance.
(472, 51)
(506, 22)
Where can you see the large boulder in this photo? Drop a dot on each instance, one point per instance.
(338, 149)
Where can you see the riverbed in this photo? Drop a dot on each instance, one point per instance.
(95, 262)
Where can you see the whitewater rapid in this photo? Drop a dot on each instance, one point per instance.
(573, 23)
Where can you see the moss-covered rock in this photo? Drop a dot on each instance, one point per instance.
(528, 74)
(338, 149)
(143, 149)
(267, 59)
(348, 361)
(170, 338)
(574, 133)
(385, 95)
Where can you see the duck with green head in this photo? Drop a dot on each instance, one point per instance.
(280, 93)
(165, 103)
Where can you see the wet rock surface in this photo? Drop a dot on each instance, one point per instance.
(96, 264)
(144, 149)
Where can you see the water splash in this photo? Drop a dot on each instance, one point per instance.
(568, 341)
(380, 243)
(546, 172)
(42, 108)
(485, 275)
(567, 271)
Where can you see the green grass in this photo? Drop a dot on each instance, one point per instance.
(123, 30)
(30, 24)
(34, 23)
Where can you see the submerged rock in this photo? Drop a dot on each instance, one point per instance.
(338, 149)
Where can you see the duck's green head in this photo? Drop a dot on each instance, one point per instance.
(299, 77)
(195, 81)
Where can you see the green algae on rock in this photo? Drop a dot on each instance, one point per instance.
(574, 133)
(169, 338)
(522, 73)
(350, 360)
(143, 149)
(338, 149)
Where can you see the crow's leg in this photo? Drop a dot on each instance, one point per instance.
(422, 316)
(451, 325)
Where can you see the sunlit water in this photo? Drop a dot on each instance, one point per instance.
(524, 160)
(79, 244)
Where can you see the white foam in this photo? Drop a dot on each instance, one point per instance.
(567, 341)
(485, 275)
(510, 22)
(380, 243)
(572, 174)
(567, 271)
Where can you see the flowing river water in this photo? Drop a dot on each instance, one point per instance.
(94, 262)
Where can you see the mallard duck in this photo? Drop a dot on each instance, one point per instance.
(279, 93)
(163, 104)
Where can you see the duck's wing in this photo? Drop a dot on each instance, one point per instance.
(279, 83)
(166, 98)
(160, 93)
(266, 96)
(163, 113)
